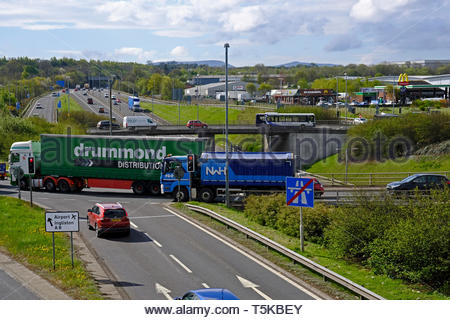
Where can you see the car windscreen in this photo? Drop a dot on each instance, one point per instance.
(114, 213)
(408, 179)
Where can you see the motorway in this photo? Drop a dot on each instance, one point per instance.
(167, 255)
(45, 110)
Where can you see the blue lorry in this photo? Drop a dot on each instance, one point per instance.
(134, 104)
(248, 171)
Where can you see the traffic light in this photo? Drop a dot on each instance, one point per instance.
(191, 163)
(30, 165)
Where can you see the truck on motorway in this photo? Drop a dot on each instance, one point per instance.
(204, 177)
(134, 103)
(71, 163)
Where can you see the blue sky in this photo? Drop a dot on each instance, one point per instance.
(268, 32)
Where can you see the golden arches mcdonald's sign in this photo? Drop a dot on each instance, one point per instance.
(403, 79)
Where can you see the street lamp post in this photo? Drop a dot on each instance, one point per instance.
(197, 98)
(227, 182)
(346, 98)
(110, 105)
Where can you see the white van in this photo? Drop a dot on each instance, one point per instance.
(138, 122)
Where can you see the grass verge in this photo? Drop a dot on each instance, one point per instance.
(74, 106)
(380, 284)
(23, 236)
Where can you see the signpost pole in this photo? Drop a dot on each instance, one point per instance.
(301, 230)
(71, 246)
(31, 191)
(53, 238)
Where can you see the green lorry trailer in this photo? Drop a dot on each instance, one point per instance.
(70, 163)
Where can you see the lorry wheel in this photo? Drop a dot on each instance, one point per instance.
(139, 188)
(50, 185)
(155, 190)
(64, 186)
(206, 195)
(181, 196)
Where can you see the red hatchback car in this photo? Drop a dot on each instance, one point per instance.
(196, 124)
(108, 218)
(318, 187)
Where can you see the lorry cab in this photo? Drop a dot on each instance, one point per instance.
(19, 153)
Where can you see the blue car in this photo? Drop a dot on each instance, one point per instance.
(208, 294)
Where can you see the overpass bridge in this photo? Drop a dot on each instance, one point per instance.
(308, 144)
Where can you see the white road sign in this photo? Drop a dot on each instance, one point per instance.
(62, 221)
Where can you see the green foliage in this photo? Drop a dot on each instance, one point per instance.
(272, 211)
(417, 247)
(402, 238)
(251, 88)
(418, 130)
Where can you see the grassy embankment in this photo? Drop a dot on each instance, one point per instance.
(74, 106)
(381, 284)
(23, 236)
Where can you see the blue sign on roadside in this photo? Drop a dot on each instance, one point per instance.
(61, 83)
(18, 105)
(300, 192)
(59, 104)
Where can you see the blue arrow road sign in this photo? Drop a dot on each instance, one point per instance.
(59, 104)
(300, 192)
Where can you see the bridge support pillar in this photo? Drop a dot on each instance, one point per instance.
(211, 143)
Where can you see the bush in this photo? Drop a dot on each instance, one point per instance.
(320, 112)
(352, 229)
(272, 211)
(417, 247)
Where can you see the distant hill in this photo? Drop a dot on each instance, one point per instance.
(209, 63)
(298, 63)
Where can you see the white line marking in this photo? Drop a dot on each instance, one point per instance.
(205, 285)
(134, 226)
(68, 199)
(157, 243)
(299, 287)
(149, 217)
(180, 263)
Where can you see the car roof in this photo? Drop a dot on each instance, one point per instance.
(214, 294)
(107, 206)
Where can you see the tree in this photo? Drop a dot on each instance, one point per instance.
(251, 88)
(264, 87)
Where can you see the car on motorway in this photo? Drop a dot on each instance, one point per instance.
(106, 95)
(359, 120)
(318, 187)
(54, 94)
(421, 182)
(108, 218)
(118, 100)
(196, 124)
(84, 93)
(113, 97)
(209, 294)
(38, 105)
(115, 102)
(104, 124)
(101, 109)
(90, 101)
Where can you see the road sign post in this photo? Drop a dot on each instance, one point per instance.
(62, 221)
(300, 193)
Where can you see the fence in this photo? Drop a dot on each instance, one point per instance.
(367, 179)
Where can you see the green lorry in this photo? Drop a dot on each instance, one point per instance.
(70, 163)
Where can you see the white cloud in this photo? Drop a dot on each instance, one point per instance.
(138, 54)
(179, 52)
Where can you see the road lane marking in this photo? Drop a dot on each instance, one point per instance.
(153, 240)
(205, 285)
(134, 226)
(164, 291)
(291, 282)
(157, 243)
(248, 284)
(180, 263)
(149, 217)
